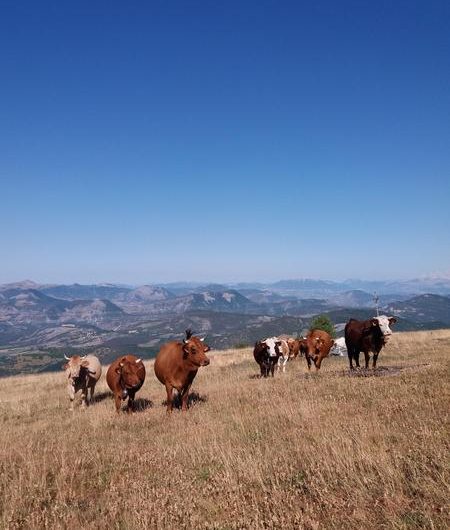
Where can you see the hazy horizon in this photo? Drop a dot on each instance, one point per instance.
(435, 276)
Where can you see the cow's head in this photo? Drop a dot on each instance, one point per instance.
(383, 323)
(303, 346)
(273, 346)
(74, 366)
(194, 350)
(128, 372)
(316, 346)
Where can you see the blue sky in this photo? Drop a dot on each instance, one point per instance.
(159, 141)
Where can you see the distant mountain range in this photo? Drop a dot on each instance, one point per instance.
(38, 323)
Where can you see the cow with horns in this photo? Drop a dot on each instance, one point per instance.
(125, 376)
(176, 366)
(82, 374)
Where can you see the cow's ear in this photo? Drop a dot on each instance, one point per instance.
(392, 320)
(84, 364)
(65, 366)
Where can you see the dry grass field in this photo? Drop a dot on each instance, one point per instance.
(298, 451)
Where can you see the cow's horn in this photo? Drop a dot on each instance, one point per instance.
(83, 357)
(137, 361)
(66, 358)
(202, 339)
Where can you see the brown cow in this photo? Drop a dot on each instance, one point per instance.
(125, 377)
(82, 374)
(295, 347)
(176, 366)
(367, 336)
(318, 346)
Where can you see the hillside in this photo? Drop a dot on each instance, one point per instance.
(320, 451)
(426, 308)
(36, 329)
(76, 291)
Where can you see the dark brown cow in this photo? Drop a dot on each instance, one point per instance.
(317, 347)
(266, 353)
(176, 366)
(367, 336)
(125, 377)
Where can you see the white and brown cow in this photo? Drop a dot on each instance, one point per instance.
(82, 374)
(285, 354)
(266, 354)
(367, 336)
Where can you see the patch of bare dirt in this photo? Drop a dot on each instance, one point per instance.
(381, 371)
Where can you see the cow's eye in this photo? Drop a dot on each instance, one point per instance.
(193, 350)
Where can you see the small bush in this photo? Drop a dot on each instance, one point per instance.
(324, 323)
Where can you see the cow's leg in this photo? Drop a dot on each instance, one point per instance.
(130, 406)
(374, 362)
(185, 398)
(356, 357)
(366, 359)
(169, 391)
(83, 395)
(272, 368)
(318, 362)
(350, 357)
(71, 392)
(308, 360)
(118, 401)
(92, 387)
(285, 360)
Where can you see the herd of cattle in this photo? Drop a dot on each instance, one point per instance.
(177, 363)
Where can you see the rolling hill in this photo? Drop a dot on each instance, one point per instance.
(35, 324)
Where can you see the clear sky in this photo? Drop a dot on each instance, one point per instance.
(159, 141)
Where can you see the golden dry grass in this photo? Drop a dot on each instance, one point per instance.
(296, 451)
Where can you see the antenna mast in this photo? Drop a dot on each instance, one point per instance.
(376, 299)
